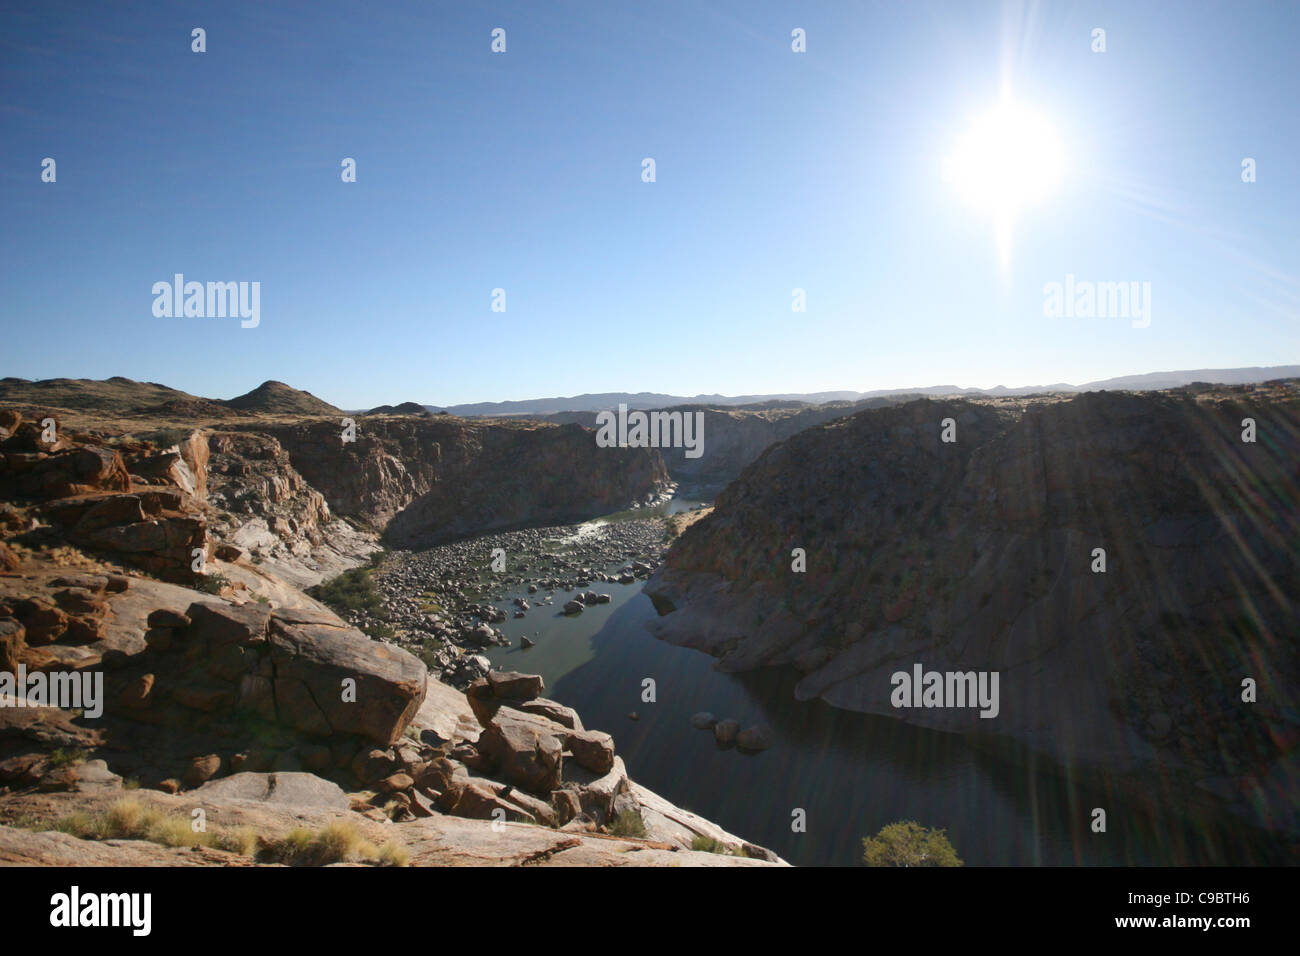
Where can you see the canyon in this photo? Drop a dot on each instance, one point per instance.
(1120, 563)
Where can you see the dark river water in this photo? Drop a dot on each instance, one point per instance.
(849, 773)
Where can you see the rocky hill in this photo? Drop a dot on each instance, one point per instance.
(114, 396)
(276, 398)
(980, 555)
(205, 680)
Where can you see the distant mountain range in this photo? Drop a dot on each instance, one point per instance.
(123, 396)
(596, 402)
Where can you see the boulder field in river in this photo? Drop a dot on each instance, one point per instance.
(981, 555)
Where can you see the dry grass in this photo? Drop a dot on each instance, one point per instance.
(132, 819)
(337, 842)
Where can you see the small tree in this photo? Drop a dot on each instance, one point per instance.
(907, 843)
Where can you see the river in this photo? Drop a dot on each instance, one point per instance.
(849, 774)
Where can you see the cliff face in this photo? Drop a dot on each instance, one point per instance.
(734, 437)
(425, 480)
(979, 555)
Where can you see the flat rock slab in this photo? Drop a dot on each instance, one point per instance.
(281, 789)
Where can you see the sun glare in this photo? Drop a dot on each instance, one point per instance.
(1006, 161)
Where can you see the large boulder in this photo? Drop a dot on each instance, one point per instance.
(304, 669)
(512, 685)
(593, 749)
(527, 749)
(552, 710)
(293, 790)
(339, 678)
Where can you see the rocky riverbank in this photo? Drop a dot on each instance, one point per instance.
(444, 603)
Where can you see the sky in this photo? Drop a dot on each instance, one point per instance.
(827, 170)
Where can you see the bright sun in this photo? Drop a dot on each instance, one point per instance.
(1009, 159)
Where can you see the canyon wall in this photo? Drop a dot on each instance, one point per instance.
(422, 481)
(980, 555)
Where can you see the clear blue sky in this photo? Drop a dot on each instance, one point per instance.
(522, 170)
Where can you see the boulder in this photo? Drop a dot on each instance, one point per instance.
(201, 770)
(551, 710)
(512, 685)
(527, 750)
(397, 782)
(593, 749)
(479, 802)
(725, 731)
(341, 677)
(294, 790)
(163, 617)
(371, 765)
(754, 738)
(219, 624)
(13, 641)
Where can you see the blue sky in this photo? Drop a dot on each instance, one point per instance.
(775, 170)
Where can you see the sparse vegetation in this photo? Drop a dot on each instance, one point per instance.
(628, 824)
(707, 844)
(907, 843)
(66, 758)
(336, 842)
(350, 591)
(132, 819)
(213, 583)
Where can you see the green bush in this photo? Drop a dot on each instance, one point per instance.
(628, 824)
(907, 843)
(350, 591)
(213, 583)
(707, 844)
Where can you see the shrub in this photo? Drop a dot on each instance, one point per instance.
(708, 844)
(213, 583)
(350, 591)
(628, 824)
(65, 758)
(336, 842)
(907, 843)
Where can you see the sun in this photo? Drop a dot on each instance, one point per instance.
(1008, 160)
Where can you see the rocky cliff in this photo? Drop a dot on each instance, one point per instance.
(735, 436)
(422, 481)
(981, 555)
(140, 571)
